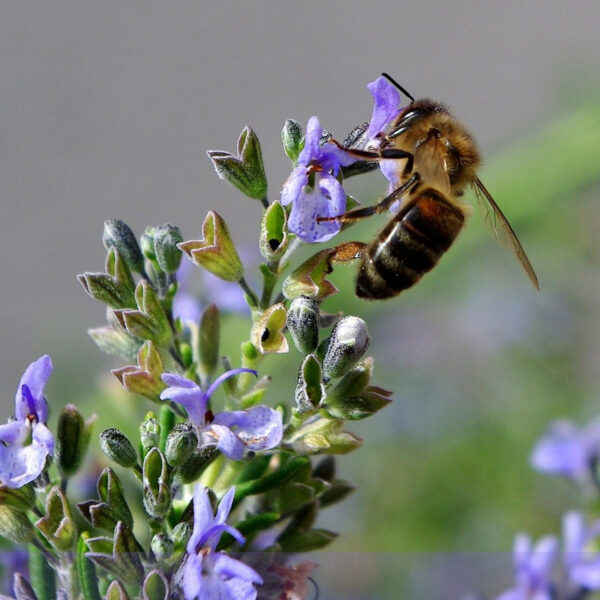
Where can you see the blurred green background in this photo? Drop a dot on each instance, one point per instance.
(107, 112)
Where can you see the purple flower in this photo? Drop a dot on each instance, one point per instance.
(582, 563)
(567, 450)
(325, 198)
(387, 99)
(211, 575)
(26, 441)
(257, 428)
(533, 569)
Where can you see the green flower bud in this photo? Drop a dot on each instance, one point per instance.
(335, 493)
(292, 139)
(111, 507)
(118, 235)
(246, 170)
(15, 525)
(274, 237)
(150, 432)
(162, 546)
(324, 436)
(120, 555)
(155, 478)
(196, 463)
(22, 498)
(181, 443)
(155, 586)
(115, 341)
(267, 332)
(310, 391)
(348, 342)
(58, 526)
(208, 340)
(149, 321)
(309, 279)
(72, 439)
(167, 253)
(180, 535)
(325, 469)
(303, 323)
(117, 447)
(116, 591)
(143, 379)
(216, 251)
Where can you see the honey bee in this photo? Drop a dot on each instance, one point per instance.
(434, 158)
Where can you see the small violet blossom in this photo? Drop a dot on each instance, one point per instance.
(25, 442)
(326, 198)
(386, 109)
(582, 562)
(257, 428)
(568, 450)
(533, 569)
(208, 574)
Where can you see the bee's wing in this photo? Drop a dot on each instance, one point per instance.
(503, 231)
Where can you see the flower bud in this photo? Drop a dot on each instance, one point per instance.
(180, 535)
(72, 439)
(324, 436)
(155, 586)
(309, 279)
(246, 170)
(119, 236)
(114, 340)
(150, 432)
(267, 332)
(116, 591)
(168, 255)
(149, 321)
(143, 379)
(208, 340)
(22, 498)
(216, 251)
(117, 447)
(161, 546)
(196, 463)
(181, 443)
(58, 526)
(303, 323)
(310, 391)
(15, 525)
(348, 342)
(273, 232)
(155, 478)
(292, 139)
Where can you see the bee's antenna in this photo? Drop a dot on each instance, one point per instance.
(317, 591)
(392, 80)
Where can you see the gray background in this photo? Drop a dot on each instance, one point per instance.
(107, 109)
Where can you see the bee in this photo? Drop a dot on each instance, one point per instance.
(434, 158)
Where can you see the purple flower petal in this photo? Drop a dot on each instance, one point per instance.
(203, 517)
(312, 142)
(221, 378)
(387, 98)
(292, 188)
(230, 567)
(187, 393)
(227, 442)
(33, 402)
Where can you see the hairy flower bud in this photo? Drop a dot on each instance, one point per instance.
(310, 391)
(215, 251)
(117, 447)
(274, 237)
(292, 139)
(303, 323)
(155, 478)
(348, 342)
(72, 439)
(155, 586)
(58, 526)
(150, 432)
(161, 546)
(22, 498)
(168, 255)
(15, 525)
(246, 170)
(267, 331)
(181, 443)
(119, 236)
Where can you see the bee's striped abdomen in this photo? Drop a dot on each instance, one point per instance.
(409, 246)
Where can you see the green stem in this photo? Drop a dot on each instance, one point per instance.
(250, 295)
(285, 259)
